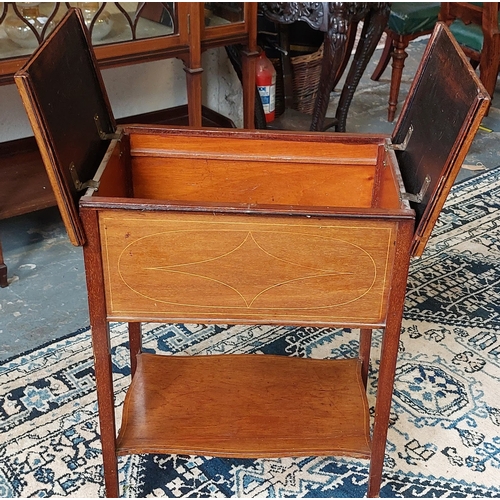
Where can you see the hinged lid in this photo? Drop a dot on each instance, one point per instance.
(439, 119)
(66, 128)
(63, 91)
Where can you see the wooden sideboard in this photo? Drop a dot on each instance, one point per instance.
(137, 32)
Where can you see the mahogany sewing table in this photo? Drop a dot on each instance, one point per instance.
(227, 226)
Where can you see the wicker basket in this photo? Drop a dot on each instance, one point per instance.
(306, 71)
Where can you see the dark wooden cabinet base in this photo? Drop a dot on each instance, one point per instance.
(25, 184)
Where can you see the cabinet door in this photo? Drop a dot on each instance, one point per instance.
(229, 22)
(122, 32)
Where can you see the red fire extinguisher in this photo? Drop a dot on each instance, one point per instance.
(265, 78)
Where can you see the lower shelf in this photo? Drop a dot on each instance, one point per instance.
(252, 406)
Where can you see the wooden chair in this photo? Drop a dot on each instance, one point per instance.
(407, 21)
(476, 28)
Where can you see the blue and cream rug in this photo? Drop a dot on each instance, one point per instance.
(444, 439)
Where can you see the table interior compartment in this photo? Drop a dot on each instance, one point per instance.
(239, 171)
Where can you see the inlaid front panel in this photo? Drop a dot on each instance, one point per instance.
(206, 267)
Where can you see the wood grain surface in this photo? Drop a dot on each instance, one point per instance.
(206, 267)
(245, 406)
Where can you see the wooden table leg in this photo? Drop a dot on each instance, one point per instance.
(333, 55)
(135, 344)
(374, 25)
(106, 403)
(3, 270)
(101, 345)
(365, 344)
(388, 359)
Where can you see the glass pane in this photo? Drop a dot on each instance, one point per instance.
(123, 21)
(220, 13)
(155, 19)
(25, 25)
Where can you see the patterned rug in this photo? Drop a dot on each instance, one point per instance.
(444, 439)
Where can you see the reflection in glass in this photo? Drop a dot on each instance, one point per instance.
(155, 17)
(112, 22)
(26, 26)
(98, 20)
(218, 13)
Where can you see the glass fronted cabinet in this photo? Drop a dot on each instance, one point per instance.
(122, 33)
(130, 32)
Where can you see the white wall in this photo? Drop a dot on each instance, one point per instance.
(144, 87)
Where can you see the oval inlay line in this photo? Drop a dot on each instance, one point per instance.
(246, 269)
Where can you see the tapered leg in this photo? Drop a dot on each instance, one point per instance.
(365, 343)
(105, 400)
(135, 344)
(388, 358)
(398, 63)
(101, 345)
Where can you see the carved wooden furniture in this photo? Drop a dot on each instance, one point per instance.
(407, 21)
(337, 20)
(228, 226)
(290, 118)
(183, 30)
(476, 27)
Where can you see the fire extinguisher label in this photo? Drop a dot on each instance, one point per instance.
(267, 95)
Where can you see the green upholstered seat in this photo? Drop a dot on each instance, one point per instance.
(407, 21)
(476, 28)
(413, 17)
(470, 35)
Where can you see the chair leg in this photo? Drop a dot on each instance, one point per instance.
(488, 72)
(384, 60)
(3, 270)
(398, 62)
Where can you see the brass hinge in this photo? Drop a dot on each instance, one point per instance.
(104, 135)
(402, 146)
(417, 198)
(79, 185)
